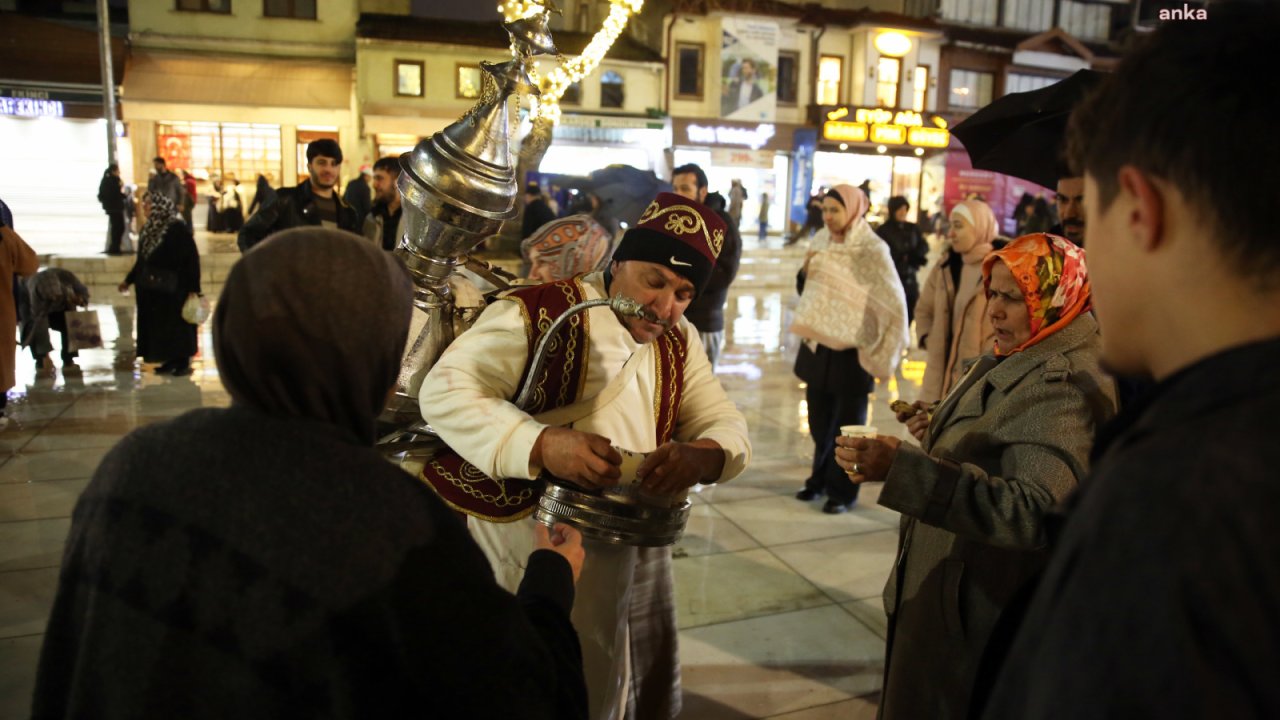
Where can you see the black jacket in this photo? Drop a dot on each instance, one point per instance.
(706, 312)
(111, 194)
(291, 573)
(290, 208)
(1162, 598)
(908, 248)
(360, 197)
(536, 214)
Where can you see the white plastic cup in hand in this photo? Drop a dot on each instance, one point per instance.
(858, 431)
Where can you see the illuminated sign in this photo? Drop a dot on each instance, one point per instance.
(844, 131)
(30, 107)
(883, 126)
(754, 138)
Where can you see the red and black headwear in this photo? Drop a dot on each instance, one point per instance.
(678, 233)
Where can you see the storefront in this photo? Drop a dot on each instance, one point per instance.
(584, 143)
(233, 117)
(55, 151)
(757, 154)
(888, 149)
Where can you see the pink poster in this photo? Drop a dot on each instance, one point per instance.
(1001, 192)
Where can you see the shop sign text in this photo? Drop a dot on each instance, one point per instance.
(30, 107)
(884, 127)
(754, 138)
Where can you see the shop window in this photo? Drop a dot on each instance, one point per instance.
(612, 92)
(296, 9)
(888, 73)
(788, 77)
(1083, 20)
(970, 89)
(469, 81)
(209, 6)
(226, 150)
(572, 94)
(689, 70)
(830, 77)
(920, 88)
(1020, 82)
(408, 79)
(975, 12)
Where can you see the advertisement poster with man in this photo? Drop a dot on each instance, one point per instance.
(749, 70)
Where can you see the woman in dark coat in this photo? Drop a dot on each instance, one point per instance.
(264, 561)
(908, 248)
(166, 272)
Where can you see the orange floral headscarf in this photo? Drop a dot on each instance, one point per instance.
(1051, 273)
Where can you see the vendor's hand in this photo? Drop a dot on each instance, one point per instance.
(123, 287)
(583, 458)
(917, 421)
(564, 540)
(678, 466)
(865, 459)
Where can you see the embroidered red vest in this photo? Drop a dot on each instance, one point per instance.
(464, 487)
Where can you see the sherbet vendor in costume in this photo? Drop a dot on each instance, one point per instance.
(670, 404)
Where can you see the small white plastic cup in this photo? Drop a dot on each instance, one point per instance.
(858, 431)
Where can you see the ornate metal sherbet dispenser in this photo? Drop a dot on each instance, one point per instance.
(457, 189)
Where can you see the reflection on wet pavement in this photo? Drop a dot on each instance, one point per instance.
(778, 604)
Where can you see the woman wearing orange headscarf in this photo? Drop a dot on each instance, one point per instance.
(1008, 443)
(951, 312)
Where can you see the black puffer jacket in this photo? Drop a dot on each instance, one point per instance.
(291, 207)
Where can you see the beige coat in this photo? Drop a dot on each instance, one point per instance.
(16, 258)
(947, 353)
(1008, 444)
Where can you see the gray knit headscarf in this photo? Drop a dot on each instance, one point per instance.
(312, 323)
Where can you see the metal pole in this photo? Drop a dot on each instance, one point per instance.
(108, 78)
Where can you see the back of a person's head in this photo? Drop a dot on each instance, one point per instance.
(1184, 106)
(896, 203)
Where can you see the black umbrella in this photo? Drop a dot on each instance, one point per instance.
(1022, 134)
(625, 191)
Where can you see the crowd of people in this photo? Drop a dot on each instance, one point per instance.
(1069, 546)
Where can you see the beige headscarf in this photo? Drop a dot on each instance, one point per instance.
(853, 297)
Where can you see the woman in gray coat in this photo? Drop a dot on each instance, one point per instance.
(1007, 444)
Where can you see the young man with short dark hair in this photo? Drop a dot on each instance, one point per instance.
(706, 312)
(312, 202)
(1163, 595)
(383, 223)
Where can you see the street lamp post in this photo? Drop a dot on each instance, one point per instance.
(108, 78)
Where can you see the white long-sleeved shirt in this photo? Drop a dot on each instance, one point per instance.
(465, 396)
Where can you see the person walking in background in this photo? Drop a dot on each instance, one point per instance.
(837, 384)
(951, 316)
(763, 217)
(706, 312)
(51, 293)
(359, 195)
(1008, 443)
(908, 248)
(189, 197)
(263, 193)
(313, 202)
(737, 196)
(166, 273)
(16, 259)
(1034, 218)
(536, 211)
(812, 219)
(264, 561)
(111, 196)
(382, 226)
(164, 182)
(231, 205)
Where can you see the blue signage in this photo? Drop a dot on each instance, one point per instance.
(806, 144)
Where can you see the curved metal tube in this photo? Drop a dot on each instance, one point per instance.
(620, 304)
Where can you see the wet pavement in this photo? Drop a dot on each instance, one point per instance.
(779, 604)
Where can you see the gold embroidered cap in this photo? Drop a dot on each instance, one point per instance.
(678, 233)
